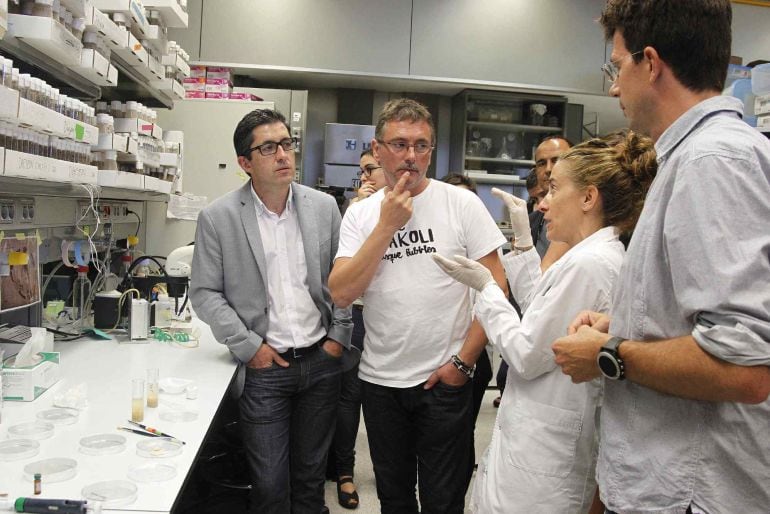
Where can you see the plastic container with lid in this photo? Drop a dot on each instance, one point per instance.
(78, 26)
(148, 472)
(18, 449)
(59, 416)
(36, 430)
(102, 444)
(111, 493)
(102, 107)
(57, 469)
(158, 447)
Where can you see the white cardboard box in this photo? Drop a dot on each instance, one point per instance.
(115, 36)
(48, 36)
(109, 178)
(26, 384)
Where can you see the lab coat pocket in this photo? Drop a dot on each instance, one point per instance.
(539, 438)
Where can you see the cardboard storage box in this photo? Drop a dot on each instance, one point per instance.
(26, 384)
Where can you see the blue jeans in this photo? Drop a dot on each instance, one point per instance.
(417, 432)
(288, 416)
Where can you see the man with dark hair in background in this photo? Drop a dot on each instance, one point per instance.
(421, 344)
(684, 424)
(263, 254)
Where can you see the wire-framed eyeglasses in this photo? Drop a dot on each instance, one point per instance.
(400, 147)
(611, 69)
(270, 147)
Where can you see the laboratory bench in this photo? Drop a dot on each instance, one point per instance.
(106, 368)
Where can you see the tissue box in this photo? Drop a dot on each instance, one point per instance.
(26, 384)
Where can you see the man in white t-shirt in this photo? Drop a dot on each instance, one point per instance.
(421, 344)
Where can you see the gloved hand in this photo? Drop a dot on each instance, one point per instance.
(517, 211)
(465, 271)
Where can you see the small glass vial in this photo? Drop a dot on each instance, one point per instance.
(110, 161)
(132, 109)
(56, 10)
(106, 124)
(78, 26)
(91, 40)
(15, 78)
(68, 21)
(117, 109)
(7, 72)
(38, 487)
(24, 82)
(102, 108)
(43, 8)
(120, 19)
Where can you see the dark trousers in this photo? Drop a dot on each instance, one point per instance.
(502, 376)
(342, 455)
(287, 416)
(417, 432)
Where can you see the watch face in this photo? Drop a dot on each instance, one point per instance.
(608, 365)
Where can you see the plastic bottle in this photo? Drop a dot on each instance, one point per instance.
(81, 290)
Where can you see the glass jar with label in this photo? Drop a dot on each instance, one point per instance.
(132, 109)
(110, 160)
(117, 109)
(121, 20)
(91, 40)
(105, 123)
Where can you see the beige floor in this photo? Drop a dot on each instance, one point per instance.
(365, 475)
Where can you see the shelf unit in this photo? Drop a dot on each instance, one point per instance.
(494, 133)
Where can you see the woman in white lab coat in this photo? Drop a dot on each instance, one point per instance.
(543, 451)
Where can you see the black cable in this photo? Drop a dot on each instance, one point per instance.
(138, 219)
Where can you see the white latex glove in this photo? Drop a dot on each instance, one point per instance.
(465, 271)
(517, 211)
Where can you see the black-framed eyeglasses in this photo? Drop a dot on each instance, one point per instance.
(368, 170)
(400, 147)
(270, 147)
(611, 69)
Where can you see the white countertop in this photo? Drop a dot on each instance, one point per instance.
(107, 367)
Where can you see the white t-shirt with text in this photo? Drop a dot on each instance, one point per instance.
(416, 316)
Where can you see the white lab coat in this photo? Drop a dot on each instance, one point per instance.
(543, 451)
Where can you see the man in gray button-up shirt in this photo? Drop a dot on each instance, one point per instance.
(689, 428)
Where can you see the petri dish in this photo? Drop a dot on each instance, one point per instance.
(151, 472)
(17, 449)
(32, 430)
(57, 469)
(102, 444)
(178, 416)
(59, 416)
(158, 447)
(111, 493)
(173, 385)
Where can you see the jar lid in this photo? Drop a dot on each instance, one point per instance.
(119, 17)
(102, 444)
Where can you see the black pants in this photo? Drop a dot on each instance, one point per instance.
(481, 379)
(417, 432)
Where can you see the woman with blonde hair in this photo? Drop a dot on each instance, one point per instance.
(543, 450)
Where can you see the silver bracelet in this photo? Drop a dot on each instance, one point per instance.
(462, 367)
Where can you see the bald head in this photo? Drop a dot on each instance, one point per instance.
(546, 156)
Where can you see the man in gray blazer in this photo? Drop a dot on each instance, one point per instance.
(263, 254)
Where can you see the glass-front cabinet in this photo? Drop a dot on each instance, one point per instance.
(494, 134)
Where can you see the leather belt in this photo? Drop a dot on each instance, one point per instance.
(298, 353)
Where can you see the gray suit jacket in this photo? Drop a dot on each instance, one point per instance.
(228, 287)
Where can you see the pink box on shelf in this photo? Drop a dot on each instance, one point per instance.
(217, 82)
(198, 72)
(194, 94)
(242, 96)
(217, 96)
(218, 72)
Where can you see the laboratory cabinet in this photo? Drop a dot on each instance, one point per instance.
(494, 134)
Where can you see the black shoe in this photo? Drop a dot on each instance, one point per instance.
(325, 510)
(496, 402)
(347, 500)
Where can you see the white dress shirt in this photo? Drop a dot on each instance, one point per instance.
(295, 321)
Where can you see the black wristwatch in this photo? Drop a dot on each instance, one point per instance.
(610, 363)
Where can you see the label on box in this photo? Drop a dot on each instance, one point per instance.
(217, 96)
(217, 82)
(198, 71)
(27, 383)
(195, 94)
